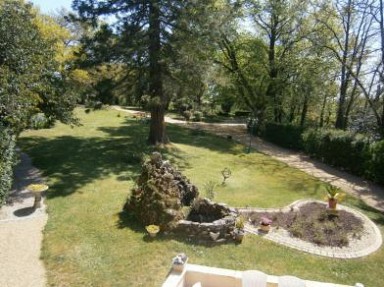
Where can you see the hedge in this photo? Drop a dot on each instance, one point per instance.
(345, 150)
(338, 148)
(285, 135)
(348, 151)
(7, 161)
(376, 162)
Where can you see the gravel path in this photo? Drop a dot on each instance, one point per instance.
(21, 232)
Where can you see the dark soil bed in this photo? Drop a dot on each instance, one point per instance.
(314, 223)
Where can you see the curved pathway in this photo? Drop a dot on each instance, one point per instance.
(21, 232)
(372, 194)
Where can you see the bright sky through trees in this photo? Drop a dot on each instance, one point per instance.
(47, 6)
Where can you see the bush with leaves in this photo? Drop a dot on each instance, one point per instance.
(338, 148)
(376, 162)
(285, 135)
(197, 116)
(7, 161)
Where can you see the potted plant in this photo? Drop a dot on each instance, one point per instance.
(238, 232)
(152, 229)
(334, 195)
(37, 189)
(179, 262)
(265, 224)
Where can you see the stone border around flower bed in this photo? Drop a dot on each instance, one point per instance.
(369, 242)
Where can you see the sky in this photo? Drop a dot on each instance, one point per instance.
(48, 6)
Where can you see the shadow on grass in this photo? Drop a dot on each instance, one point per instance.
(77, 161)
(375, 215)
(202, 139)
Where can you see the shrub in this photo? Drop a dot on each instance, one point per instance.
(197, 116)
(39, 121)
(338, 148)
(375, 168)
(7, 161)
(187, 115)
(242, 113)
(285, 135)
(226, 107)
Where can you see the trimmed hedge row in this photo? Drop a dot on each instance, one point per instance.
(285, 135)
(342, 149)
(376, 163)
(338, 148)
(7, 161)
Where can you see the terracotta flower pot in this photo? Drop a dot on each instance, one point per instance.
(265, 228)
(332, 203)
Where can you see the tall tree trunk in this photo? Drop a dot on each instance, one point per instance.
(381, 23)
(157, 133)
(321, 123)
(272, 91)
(304, 111)
(340, 116)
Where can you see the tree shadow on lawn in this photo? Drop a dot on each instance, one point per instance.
(77, 161)
(203, 139)
(375, 215)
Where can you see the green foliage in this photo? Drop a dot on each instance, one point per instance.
(285, 135)
(338, 148)
(7, 161)
(240, 222)
(38, 121)
(333, 191)
(31, 81)
(197, 116)
(376, 162)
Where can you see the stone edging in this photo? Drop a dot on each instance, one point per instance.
(369, 242)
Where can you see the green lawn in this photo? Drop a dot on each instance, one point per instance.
(89, 241)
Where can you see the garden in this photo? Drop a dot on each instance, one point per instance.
(90, 240)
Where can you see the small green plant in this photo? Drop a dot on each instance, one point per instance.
(240, 222)
(334, 192)
(226, 173)
(209, 188)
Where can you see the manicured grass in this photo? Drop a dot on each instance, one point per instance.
(89, 241)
